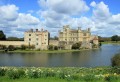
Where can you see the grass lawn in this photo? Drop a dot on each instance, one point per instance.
(46, 51)
(111, 42)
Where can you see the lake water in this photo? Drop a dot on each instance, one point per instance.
(86, 58)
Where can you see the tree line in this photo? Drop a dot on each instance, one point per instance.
(3, 37)
(112, 38)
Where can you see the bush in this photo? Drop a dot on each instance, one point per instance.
(2, 71)
(76, 46)
(23, 47)
(15, 73)
(111, 78)
(116, 70)
(116, 60)
(11, 48)
(55, 48)
(51, 47)
(33, 73)
(89, 78)
(94, 45)
(2, 47)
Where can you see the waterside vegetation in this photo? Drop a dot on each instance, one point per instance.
(65, 74)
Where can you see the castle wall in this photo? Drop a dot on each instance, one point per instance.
(14, 43)
(53, 42)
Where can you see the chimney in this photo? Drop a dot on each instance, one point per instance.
(31, 30)
(89, 29)
(42, 29)
(36, 30)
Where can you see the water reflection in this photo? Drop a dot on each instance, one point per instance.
(88, 58)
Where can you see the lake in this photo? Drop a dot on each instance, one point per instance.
(86, 58)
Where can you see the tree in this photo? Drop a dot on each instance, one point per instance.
(115, 38)
(76, 45)
(11, 48)
(116, 60)
(2, 47)
(55, 47)
(24, 47)
(51, 47)
(2, 35)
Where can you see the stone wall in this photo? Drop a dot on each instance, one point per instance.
(14, 43)
(54, 42)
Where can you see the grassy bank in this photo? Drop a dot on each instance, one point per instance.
(45, 51)
(62, 74)
(111, 42)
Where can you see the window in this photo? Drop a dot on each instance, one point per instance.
(84, 34)
(29, 34)
(36, 43)
(37, 39)
(29, 39)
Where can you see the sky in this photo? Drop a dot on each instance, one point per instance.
(101, 16)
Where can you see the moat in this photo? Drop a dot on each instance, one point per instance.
(86, 58)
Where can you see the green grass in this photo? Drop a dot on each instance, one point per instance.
(59, 74)
(46, 51)
(111, 42)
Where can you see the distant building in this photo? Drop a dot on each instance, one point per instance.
(69, 36)
(40, 39)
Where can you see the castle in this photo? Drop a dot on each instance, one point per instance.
(67, 37)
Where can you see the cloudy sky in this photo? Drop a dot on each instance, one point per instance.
(102, 16)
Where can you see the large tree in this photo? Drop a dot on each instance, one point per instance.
(115, 38)
(2, 35)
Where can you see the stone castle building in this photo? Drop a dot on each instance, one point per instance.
(69, 36)
(40, 39)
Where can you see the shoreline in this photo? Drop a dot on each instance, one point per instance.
(46, 51)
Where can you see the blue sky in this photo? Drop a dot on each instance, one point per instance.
(102, 16)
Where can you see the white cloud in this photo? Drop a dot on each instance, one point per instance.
(71, 7)
(8, 12)
(101, 11)
(106, 23)
(56, 13)
(14, 23)
(93, 4)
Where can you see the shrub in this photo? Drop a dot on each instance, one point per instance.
(11, 48)
(33, 73)
(55, 47)
(111, 78)
(2, 47)
(94, 45)
(116, 70)
(50, 47)
(13, 74)
(116, 60)
(2, 71)
(76, 46)
(23, 47)
(49, 73)
(89, 78)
